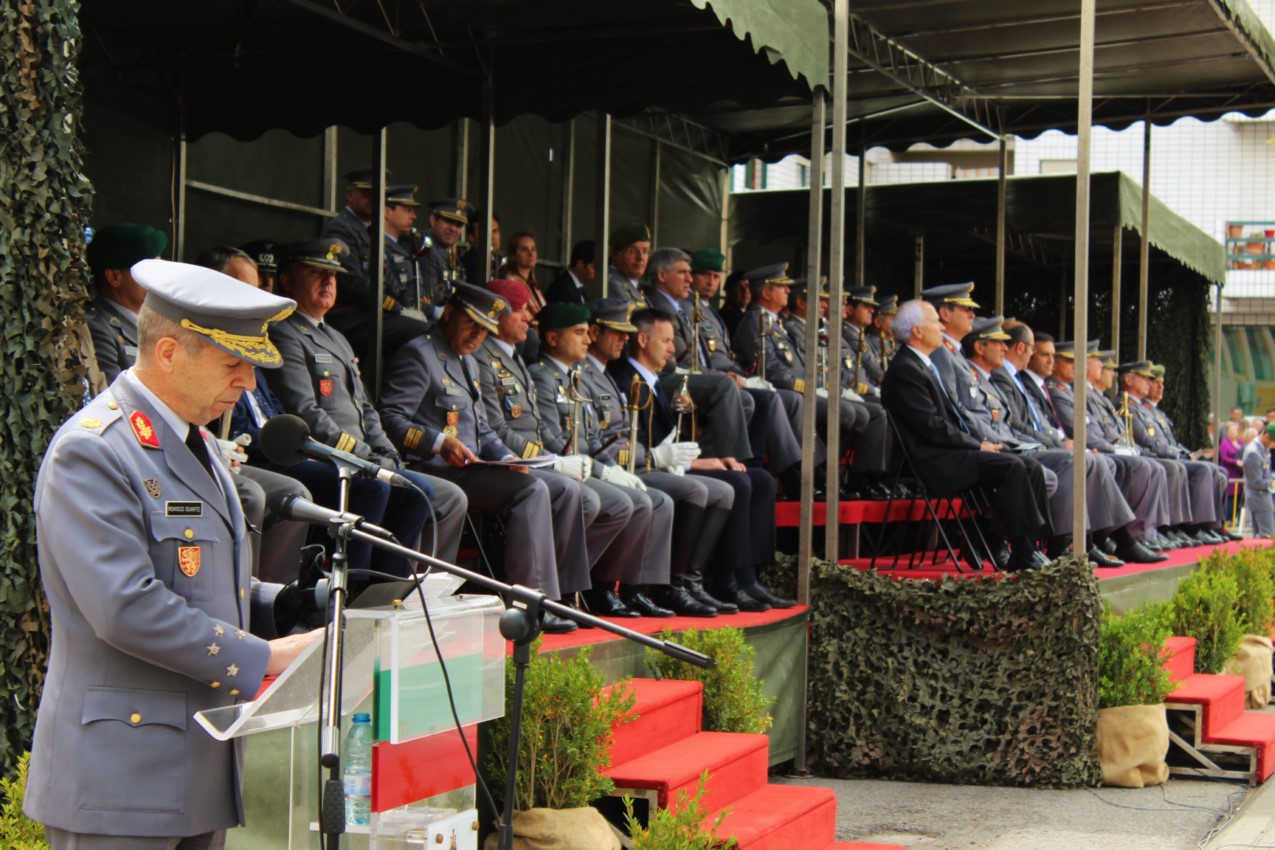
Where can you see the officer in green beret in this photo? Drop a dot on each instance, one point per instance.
(112, 317)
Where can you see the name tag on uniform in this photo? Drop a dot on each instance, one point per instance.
(322, 357)
(183, 509)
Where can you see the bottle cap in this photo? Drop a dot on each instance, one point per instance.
(362, 717)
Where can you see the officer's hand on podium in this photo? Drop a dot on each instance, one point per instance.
(284, 650)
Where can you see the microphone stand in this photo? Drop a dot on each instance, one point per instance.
(521, 624)
(332, 803)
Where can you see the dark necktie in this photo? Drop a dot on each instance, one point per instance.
(195, 442)
(1031, 405)
(952, 405)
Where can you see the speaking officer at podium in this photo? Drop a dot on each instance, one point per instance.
(144, 556)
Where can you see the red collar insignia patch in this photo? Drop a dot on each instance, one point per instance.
(143, 429)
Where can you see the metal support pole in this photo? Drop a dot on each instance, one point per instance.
(602, 202)
(861, 216)
(1144, 250)
(464, 138)
(655, 192)
(1117, 251)
(487, 173)
(836, 273)
(330, 179)
(918, 273)
(1083, 122)
(179, 226)
(376, 265)
(1219, 416)
(568, 191)
(1001, 167)
(809, 412)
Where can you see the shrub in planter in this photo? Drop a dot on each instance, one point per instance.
(1206, 607)
(1255, 583)
(1132, 736)
(679, 827)
(567, 722)
(17, 831)
(734, 698)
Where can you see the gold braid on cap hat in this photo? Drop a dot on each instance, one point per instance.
(258, 348)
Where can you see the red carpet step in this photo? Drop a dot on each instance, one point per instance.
(1221, 738)
(664, 750)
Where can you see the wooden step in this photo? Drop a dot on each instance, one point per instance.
(736, 765)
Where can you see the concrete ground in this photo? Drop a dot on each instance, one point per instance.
(1184, 814)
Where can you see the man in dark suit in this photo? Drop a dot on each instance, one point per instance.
(946, 456)
(573, 284)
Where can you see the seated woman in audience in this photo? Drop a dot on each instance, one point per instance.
(521, 265)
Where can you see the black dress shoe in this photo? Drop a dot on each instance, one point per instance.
(1031, 560)
(744, 601)
(1109, 546)
(607, 603)
(1101, 559)
(1139, 554)
(761, 593)
(635, 600)
(1231, 535)
(683, 604)
(554, 625)
(848, 495)
(702, 596)
(1153, 544)
(1215, 538)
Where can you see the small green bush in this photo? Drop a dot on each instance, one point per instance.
(17, 831)
(1130, 657)
(734, 698)
(1255, 581)
(678, 827)
(1206, 607)
(567, 724)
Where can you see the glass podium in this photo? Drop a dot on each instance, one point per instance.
(422, 782)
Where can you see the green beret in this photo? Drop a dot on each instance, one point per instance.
(1270, 430)
(707, 260)
(119, 246)
(626, 235)
(561, 314)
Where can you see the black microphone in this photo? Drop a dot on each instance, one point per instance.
(285, 440)
(292, 506)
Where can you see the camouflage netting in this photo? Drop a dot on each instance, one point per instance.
(973, 682)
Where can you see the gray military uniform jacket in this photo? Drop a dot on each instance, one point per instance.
(510, 399)
(430, 391)
(717, 340)
(785, 366)
(146, 564)
(870, 371)
(114, 332)
(619, 286)
(320, 382)
(1149, 433)
(608, 401)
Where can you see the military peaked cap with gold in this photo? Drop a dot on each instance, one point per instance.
(772, 275)
(1137, 367)
(889, 306)
(228, 314)
(1157, 370)
(862, 295)
(361, 178)
(263, 253)
(614, 313)
(989, 327)
(458, 210)
(958, 294)
(1065, 350)
(404, 194)
(485, 308)
(316, 253)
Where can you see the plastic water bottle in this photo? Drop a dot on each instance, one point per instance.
(357, 759)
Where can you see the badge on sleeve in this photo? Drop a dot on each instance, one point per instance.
(188, 560)
(143, 430)
(325, 387)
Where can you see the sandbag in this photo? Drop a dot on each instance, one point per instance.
(1132, 743)
(560, 829)
(1253, 661)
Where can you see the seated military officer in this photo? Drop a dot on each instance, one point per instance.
(320, 382)
(433, 409)
(440, 268)
(401, 291)
(639, 556)
(630, 246)
(112, 317)
(747, 541)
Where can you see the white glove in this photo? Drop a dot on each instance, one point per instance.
(577, 467)
(669, 456)
(756, 383)
(850, 395)
(681, 370)
(232, 452)
(822, 392)
(620, 477)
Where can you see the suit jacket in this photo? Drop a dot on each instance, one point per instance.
(430, 391)
(564, 288)
(1022, 407)
(928, 425)
(656, 422)
(321, 383)
(114, 333)
(147, 567)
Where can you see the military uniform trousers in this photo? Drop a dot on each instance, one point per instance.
(687, 490)
(748, 540)
(780, 443)
(719, 413)
(640, 552)
(1105, 507)
(863, 428)
(1143, 484)
(60, 839)
(1261, 511)
(544, 522)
